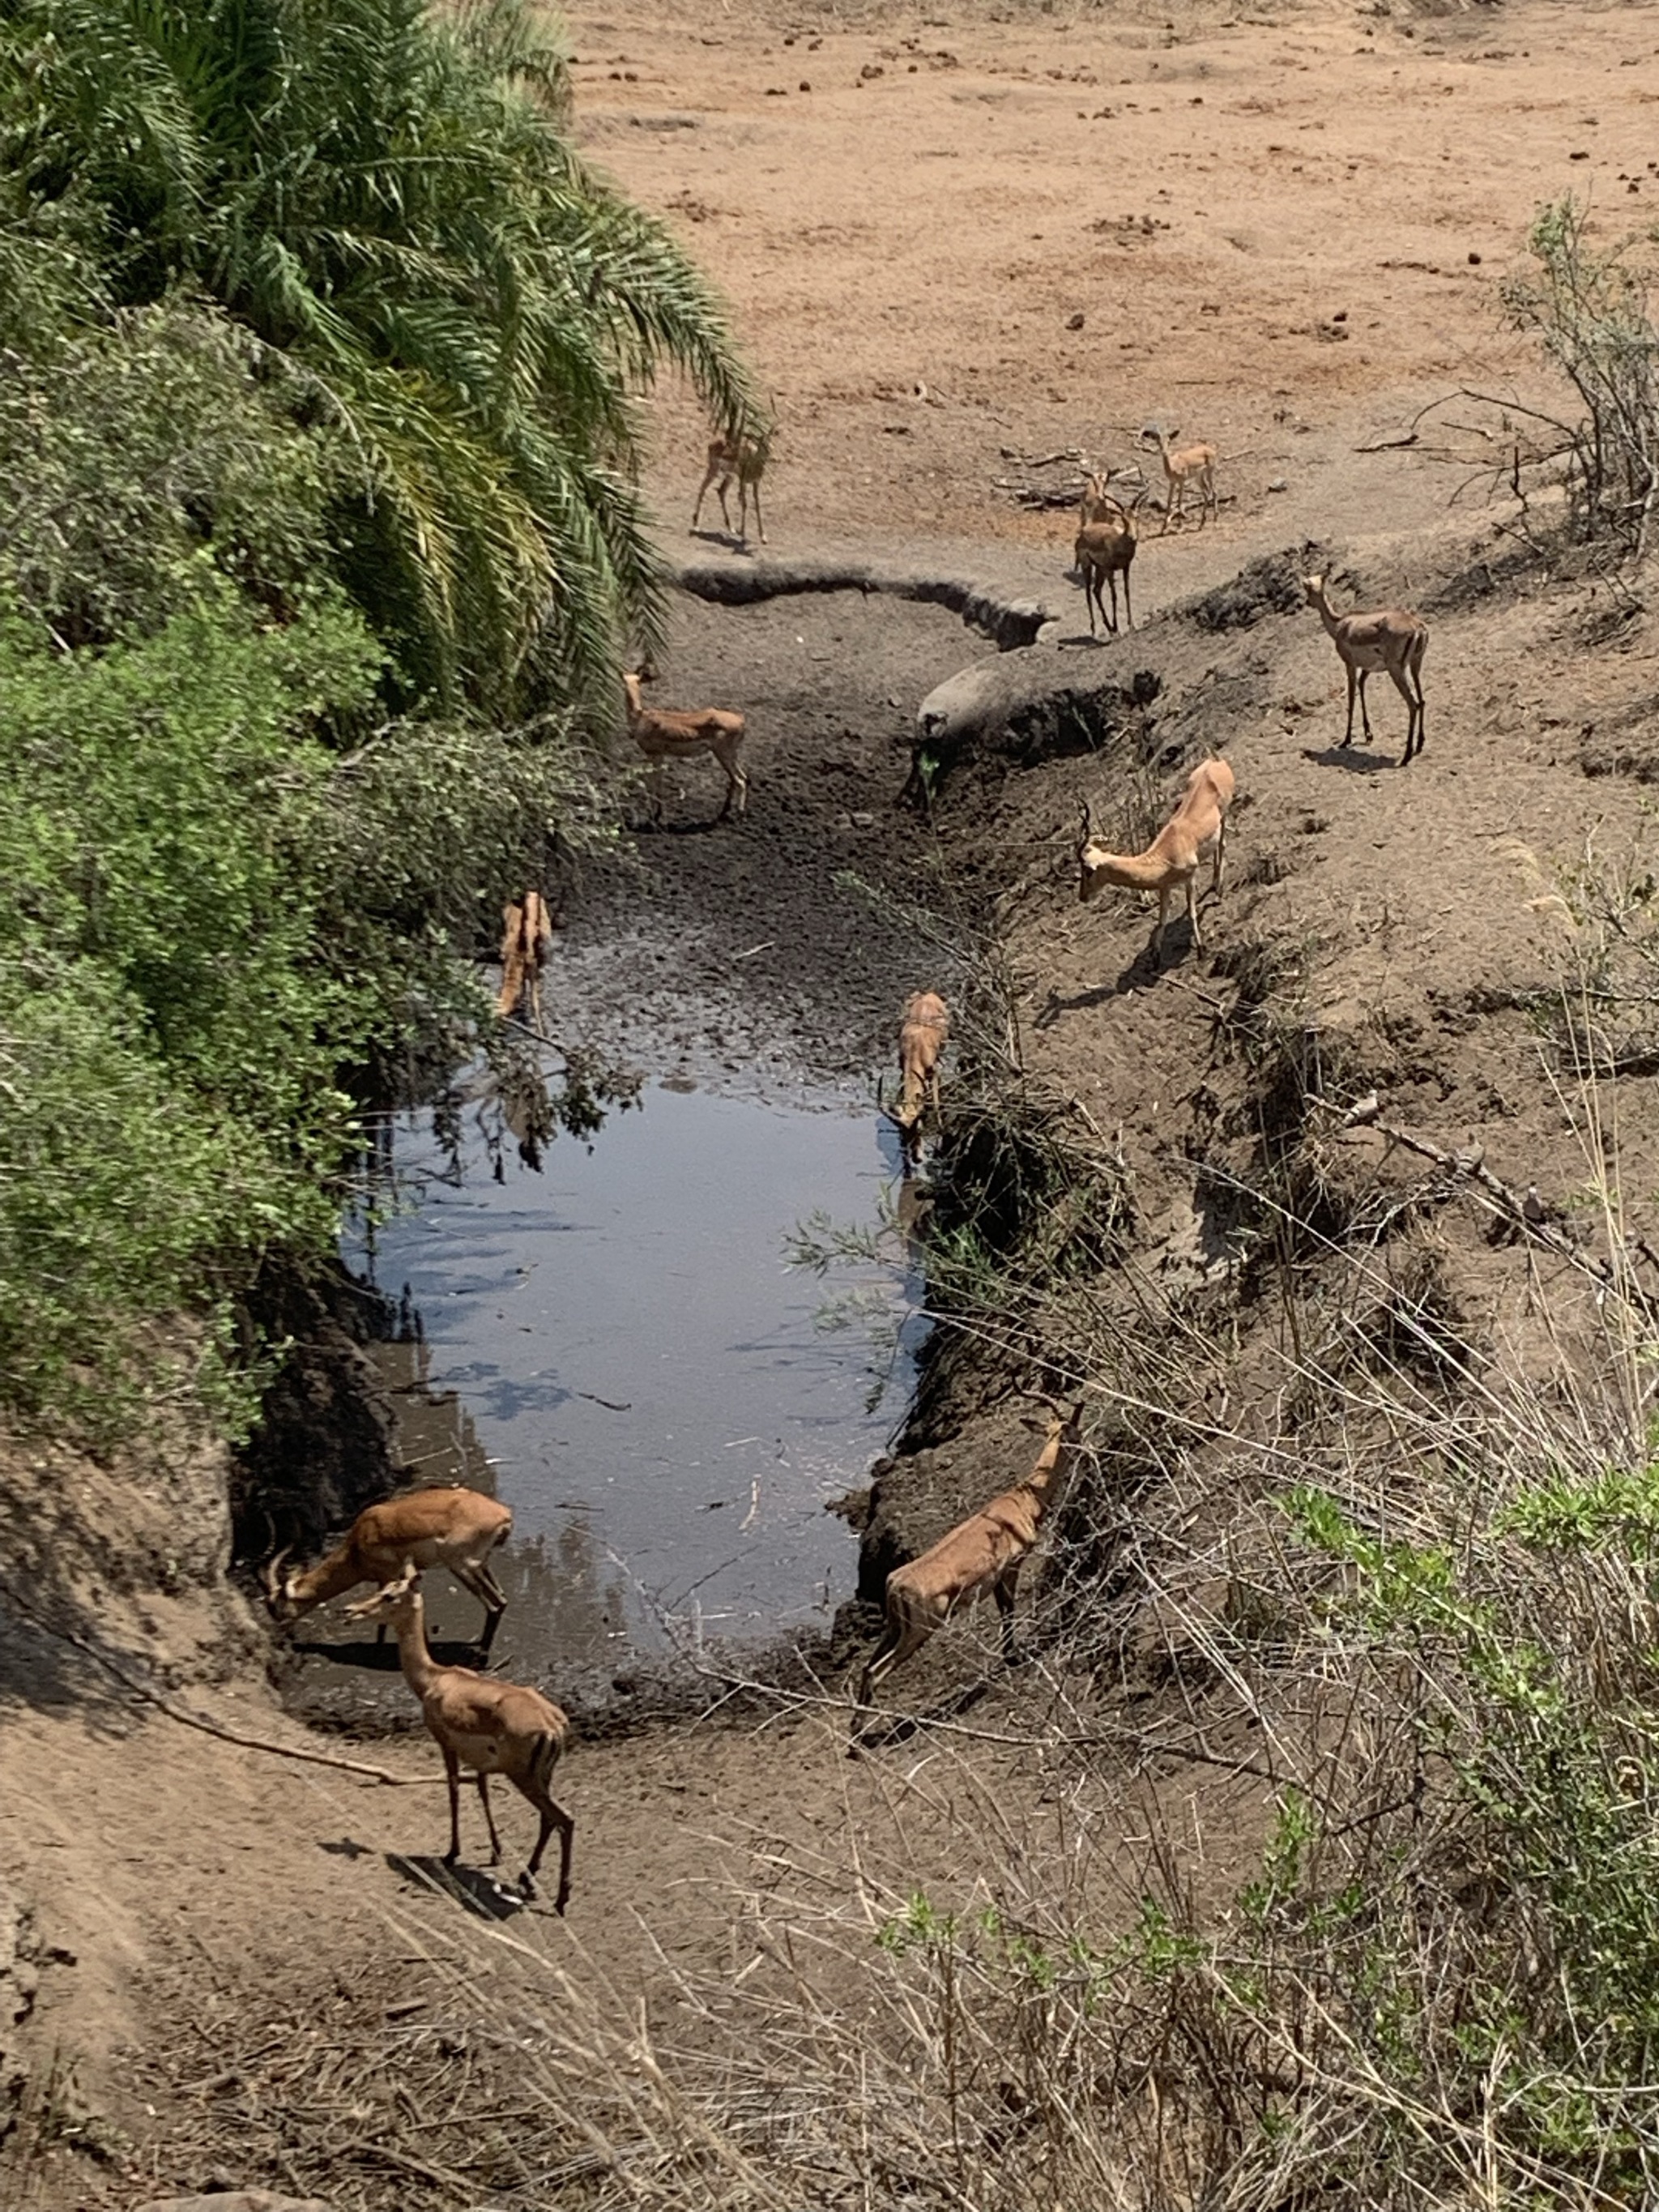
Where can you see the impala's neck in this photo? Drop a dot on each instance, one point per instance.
(409, 1620)
(338, 1572)
(1050, 1471)
(1129, 871)
(1325, 611)
(631, 693)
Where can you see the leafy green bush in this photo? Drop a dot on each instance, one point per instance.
(137, 451)
(1590, 309)
(211, 919)
(317, 398)
(151, 903)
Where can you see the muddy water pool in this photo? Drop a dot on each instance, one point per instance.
(616, 1346)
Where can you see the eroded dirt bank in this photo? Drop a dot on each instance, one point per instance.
(247, 1989)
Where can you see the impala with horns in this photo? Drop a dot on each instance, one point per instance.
(487, 1727)
(390, 1543)
(984, 1552)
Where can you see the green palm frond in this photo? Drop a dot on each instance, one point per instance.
(390, 199)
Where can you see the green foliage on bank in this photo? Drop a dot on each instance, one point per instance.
(320, 543)
(387, 198)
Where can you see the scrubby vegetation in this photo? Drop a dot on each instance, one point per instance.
(319, 542)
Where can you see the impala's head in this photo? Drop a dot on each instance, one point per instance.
(394, 1600)
(1313, 590)
(1062, 1432)
(281, 1596)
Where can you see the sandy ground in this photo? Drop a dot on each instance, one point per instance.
(1268, 228)
(1282, 236)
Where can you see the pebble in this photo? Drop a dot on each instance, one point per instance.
(1279, 483)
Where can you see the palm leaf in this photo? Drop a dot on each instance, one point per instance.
(390, 199)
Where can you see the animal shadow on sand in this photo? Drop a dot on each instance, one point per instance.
(728, 538)
(666, 828)
(375, 1658)
(470, 1887)
(1356, 760)
(902, 1727)
(1142, 972)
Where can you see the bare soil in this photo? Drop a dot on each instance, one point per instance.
(906, 246)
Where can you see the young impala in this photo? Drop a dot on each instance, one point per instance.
(742, 454)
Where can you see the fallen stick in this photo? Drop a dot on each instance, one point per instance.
(213, 1728)
(1523, 1213)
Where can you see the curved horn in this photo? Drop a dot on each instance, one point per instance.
(273, 1574)
(1087, 821)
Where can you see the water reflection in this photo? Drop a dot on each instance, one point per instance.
(617, 1348)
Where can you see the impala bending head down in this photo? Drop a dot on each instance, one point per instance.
(1170, 863)
(984, 1552)
(452, 1528)
(924, 1027)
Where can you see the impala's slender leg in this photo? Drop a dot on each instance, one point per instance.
(452, 1775)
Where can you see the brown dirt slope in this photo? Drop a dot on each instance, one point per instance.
(218, 1936)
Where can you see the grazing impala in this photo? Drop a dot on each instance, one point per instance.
(984, 1552)
(491, 1727)
(454, 1529)
(923, 1029)
(1170, 861)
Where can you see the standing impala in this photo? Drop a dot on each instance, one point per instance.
(454, 1529)
(489, 1727)
(1184, 466)
(1394, 640)
(742, 454)
(662, 735)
